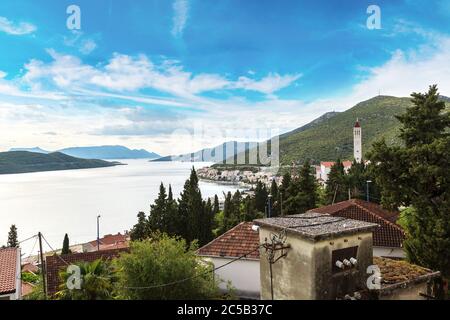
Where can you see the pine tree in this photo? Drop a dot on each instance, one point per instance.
(65, 247)
(140, 230)
(216, 207)
(337, 186)
(158, 210)
(260, 197)
(12, 237)
(417, 174)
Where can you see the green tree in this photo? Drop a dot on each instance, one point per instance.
(98, 280)
(157, 219)
(417, 174)
(216, 207)
(65, 248)
(166, 270)
(12, 237)
(302, 192)
(276, 201)
(260, 197)
(140, 230)
(337, 185)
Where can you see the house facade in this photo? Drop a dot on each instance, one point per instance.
(10, 274)
(241, 243)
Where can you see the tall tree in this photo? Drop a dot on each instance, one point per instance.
(157, 219)
(417, 174)
(302, 192)
(337, 186)
(140, 230)
(12, 237)
(260, 197)
(65, 247)
(216, 207)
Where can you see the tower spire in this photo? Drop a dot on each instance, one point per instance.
(357, 141)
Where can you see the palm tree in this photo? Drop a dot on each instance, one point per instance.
(98, 280)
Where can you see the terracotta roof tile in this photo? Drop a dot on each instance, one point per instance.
(234, 243)
(389, 234)
(55, 263)
(8, 266)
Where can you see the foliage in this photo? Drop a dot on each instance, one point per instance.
(23, 161)
(164, 260)
(190, 217)
(37, 293)
(98, 280)
(30, 277)
(417, 174)
(65, 248)
(12, 237)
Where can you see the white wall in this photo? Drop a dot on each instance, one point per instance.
(389, 252)
(243, 274)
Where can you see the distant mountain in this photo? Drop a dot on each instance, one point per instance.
(216, 154)
(108, 152)
(36, 150)
(24, 161)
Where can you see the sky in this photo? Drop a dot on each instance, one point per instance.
(174, 76)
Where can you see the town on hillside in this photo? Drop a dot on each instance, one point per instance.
(353, 246)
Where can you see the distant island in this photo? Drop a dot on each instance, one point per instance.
(23, 162)
(98, 152)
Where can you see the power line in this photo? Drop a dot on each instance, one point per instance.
(54, 251)
(27, 239)
(196, 276)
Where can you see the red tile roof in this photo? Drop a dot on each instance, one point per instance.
(27, 288)
(56, 263)
(389, 234)
(234, 243)
(8, 270)
(111, 239)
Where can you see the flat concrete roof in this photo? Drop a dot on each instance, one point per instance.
(316, 226)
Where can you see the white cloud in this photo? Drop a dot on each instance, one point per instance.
(269, 84)
(17, 29)
(180, 17)
(133, 73)
(87, 46)
(3, 74)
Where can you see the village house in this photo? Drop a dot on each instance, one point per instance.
(54, 264)
(10, 274)
(241, 241)
(108, 242)
(315, 256)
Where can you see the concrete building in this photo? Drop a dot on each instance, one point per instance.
(10, 274)
(313, 256)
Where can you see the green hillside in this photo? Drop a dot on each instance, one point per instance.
(333, 137)
(23, 161)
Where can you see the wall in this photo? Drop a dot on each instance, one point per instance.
(389, 252)
(243, 274)
(305, 273)
(409, 292)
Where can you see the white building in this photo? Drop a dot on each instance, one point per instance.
(357, 142)
(243, 274)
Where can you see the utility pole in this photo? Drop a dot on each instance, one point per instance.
(98, 233)
(43, 268)
(367, 190)
(269, 204)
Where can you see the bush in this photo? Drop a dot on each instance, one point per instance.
(161, 269)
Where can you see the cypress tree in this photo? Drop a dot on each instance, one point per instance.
(12, 237)
(260, 197)
(417, 174)
(336, 185)
(65, 247)
(140, 230)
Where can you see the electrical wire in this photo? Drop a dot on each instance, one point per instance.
(54, 251)
(196, 276)
(27, 239)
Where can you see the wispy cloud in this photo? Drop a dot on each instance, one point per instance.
(180, 17)
(17, 29)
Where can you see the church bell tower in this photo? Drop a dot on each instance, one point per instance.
(357, 142)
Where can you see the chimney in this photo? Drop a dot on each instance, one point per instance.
(313, 256)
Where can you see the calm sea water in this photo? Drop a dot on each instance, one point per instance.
(60, 202)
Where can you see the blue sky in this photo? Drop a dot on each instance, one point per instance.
(172, 76)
